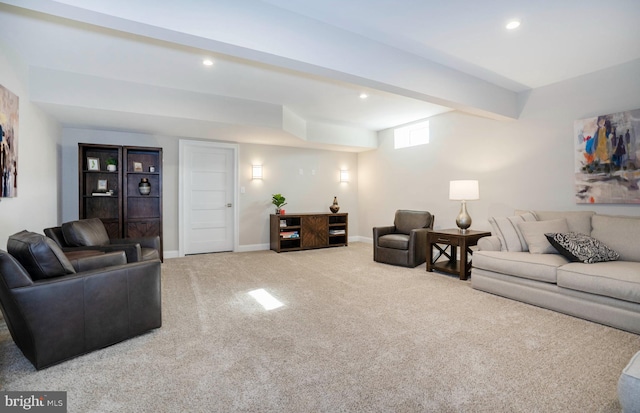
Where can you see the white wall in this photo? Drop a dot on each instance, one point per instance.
(310, 191)
(37, 205)
(304, 193)
(522, 164)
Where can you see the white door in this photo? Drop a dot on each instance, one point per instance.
(207, 195)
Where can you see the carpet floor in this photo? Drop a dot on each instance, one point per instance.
(352, 335)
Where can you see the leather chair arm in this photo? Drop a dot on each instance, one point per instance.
(132, 251)
(109, 259)
(380, 231)
(145, 242)
(418, 244)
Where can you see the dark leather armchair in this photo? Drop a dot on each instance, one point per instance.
(55, 313)
(405, 242)
(90, 234)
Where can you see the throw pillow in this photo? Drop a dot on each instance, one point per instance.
(533, 233)
(579, 247)
(508, 232)
(39, 255)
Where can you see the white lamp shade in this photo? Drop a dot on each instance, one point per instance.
(467, 190)
(344, 175)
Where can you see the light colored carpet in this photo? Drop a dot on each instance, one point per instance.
(353, 336)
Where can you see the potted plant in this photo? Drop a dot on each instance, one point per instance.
(279, 201)
(111, 164)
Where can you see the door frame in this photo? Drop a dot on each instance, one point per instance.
(183, 168)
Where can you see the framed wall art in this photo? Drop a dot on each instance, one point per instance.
(8, 143)
(607, 159)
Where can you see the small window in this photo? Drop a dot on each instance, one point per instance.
(412, 135)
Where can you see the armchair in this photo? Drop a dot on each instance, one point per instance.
(90, 234)
(55, 313)
(405, 242)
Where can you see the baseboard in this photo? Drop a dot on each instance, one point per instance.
(264, 247)
(170, 254)
(252, 247)
(367, 240)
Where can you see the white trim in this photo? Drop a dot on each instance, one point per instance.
(360, 238)
(253, 247)
(171, 254)
(181, 176)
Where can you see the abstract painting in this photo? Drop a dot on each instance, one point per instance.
(607, 161)
(8, 143)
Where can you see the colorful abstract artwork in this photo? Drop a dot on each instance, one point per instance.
(607, 162)
(8, 143)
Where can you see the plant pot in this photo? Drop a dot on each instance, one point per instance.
(111, 168)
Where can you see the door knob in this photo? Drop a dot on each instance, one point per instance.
(229, 205)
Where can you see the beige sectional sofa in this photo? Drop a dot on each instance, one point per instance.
(518, 262)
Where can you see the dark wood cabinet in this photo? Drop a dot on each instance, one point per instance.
(294, 232)
(115, 196)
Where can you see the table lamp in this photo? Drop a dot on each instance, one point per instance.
(464, 191)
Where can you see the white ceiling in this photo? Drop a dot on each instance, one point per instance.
(136, 65)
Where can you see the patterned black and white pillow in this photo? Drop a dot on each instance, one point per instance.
(581, 248)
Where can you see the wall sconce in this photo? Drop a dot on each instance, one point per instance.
(256, 172)
(344, 175)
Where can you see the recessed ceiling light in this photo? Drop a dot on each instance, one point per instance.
(207, 62)
(363, 96)
(513, 24)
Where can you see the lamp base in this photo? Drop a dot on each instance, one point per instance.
(464, 220)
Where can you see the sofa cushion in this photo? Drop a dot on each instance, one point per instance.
(406, 220)
(40, 256)
(578, 221)
(580, 247)
(616, 279)
(508, 232)
(85, 233)
(618, 233)
(395, 241)
(534, 232)
(539, 267)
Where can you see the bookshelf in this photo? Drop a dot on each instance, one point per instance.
(114, 196)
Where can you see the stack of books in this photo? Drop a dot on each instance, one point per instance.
(337, 232)
(289, 234)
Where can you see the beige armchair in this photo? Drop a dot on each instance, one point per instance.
(405, 242)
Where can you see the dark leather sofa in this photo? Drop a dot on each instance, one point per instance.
(90, 234)
(405, 242)
(55, 312)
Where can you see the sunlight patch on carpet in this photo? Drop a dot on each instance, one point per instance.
(265, 299)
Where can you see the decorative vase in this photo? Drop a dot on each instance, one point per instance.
(144, 186)
(278, 211)
(334, 207)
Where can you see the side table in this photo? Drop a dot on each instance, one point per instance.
(451, 239)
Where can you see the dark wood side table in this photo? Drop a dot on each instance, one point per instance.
(452, 239)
